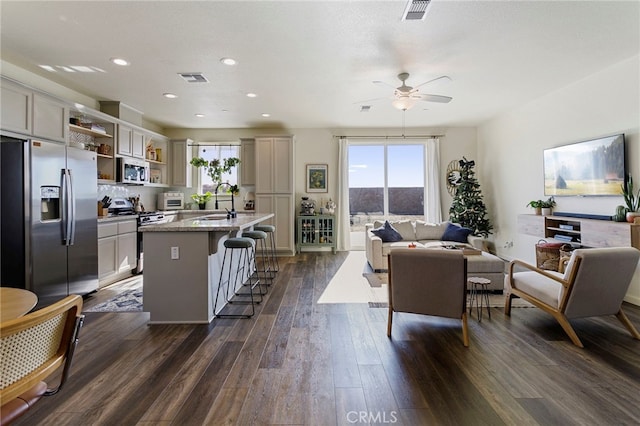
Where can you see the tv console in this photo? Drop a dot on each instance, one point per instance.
(575, 230)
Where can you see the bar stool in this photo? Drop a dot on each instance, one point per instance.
(243, 249)
(271, 233)
(479, 285)
(260, 238)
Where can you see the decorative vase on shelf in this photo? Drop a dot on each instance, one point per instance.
(546, 211)
(202, 206)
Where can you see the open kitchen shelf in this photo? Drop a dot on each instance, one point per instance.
(89, 132)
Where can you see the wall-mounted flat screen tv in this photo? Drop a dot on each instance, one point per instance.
(594, 167)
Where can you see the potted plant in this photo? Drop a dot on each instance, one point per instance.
(234, 189)
(202, 199)
(536, 205)
(631, 199)
(547, 205)
(215, 168)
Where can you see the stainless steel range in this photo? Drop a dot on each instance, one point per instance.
(145, 219)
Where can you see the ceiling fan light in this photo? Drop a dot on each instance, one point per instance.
(403, 103)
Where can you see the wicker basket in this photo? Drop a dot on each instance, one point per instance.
(565, 255)
(548, 255)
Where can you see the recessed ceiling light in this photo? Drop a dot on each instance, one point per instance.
(169, 95)
(251, 95)
(228, 61)
(120, 61)
(265, 114)
(199, 115)
(225, 110)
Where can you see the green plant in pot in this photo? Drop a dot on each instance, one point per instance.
(631, 199)
(547, 205)
(536, 205)
(202, 199)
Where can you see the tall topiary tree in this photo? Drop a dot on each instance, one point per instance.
(467, 208)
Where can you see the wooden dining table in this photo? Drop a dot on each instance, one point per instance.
(15, 302)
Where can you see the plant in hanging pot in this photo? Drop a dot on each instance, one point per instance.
(631, 199)
(536, 205)
(215, 168)
(202, 199)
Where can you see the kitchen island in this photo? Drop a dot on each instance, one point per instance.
(182, 266)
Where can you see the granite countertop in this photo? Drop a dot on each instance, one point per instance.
(102, 219)
(210, 222)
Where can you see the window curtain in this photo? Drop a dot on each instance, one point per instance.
(343, 224)
(433, 212)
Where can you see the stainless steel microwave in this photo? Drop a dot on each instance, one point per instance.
(132, 171)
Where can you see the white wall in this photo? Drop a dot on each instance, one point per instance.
(510, 148)
(318, 146)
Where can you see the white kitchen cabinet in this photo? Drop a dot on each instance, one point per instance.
(125, 140)
(274, 165)
(117, 249)
(247, 162)
(138, 144)
(107, 260)
(181, 169)
(282, 206)
(50, 118)
(15, 112)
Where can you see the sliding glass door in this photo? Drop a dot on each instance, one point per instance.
(386, 180)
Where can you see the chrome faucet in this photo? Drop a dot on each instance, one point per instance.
(228, 185)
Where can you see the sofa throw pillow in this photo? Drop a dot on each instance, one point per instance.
(430, 231)
(456, 233)
(405, 229)
(387, 233)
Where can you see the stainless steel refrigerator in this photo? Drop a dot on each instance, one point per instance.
(49, 229)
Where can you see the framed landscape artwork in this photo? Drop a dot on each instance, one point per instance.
(317, 178)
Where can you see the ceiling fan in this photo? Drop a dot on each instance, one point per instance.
(405, 97)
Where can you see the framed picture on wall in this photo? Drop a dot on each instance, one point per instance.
(317, 178)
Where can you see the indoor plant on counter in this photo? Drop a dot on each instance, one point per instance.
(631, 199)
(547, 206)
(202, 199)
(536, 205)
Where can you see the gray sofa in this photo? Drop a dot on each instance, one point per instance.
(429, 235)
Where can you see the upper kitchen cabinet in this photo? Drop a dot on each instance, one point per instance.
(181, 168)
(247, 162)
(131, 142)
(28, 112)
(15, 115)
(274, 165)
(50, 118)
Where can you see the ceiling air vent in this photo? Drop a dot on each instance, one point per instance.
(193, 77)
(416, 10)
(365, 108)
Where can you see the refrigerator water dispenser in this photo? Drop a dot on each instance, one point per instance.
(49, 203)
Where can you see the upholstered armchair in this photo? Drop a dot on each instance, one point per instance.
(428, 282)
(594, 283)
(33, 348)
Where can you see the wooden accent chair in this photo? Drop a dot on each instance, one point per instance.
(32, 348)
(594, 284)
(428, 282)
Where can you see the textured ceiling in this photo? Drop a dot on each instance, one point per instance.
(311, 62)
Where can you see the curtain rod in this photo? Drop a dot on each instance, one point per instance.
(391, 137)
(213, 144)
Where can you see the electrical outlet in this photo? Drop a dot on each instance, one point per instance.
(175, 253)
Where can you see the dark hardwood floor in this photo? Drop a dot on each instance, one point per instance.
(300, 362)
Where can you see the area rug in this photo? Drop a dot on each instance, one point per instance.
(379, 279)
(127, 301)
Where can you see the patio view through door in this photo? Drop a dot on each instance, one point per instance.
(386, 180)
